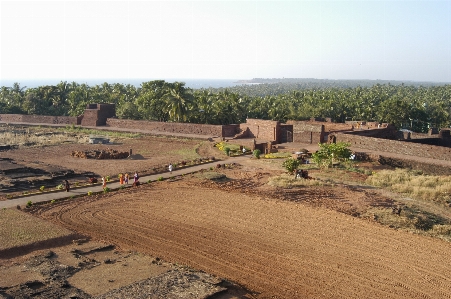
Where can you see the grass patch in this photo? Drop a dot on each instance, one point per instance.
(288, 181)
(81, 130)
(413, 219)
(210, 175)
(185, 153)
(414, 184)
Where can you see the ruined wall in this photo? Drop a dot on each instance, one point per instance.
(307, 132)
(230, 130)
(39, 119)
(394, 146)
(97, 114)
(366, 124)
(262, 129)
(105, 111)
(285, 133)
(90, 118)
(167, 127)
(387, 132)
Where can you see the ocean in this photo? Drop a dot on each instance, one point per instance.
(190, 83)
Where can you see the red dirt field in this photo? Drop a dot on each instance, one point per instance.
(276, 248)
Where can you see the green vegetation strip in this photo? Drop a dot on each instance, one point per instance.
(81, 130)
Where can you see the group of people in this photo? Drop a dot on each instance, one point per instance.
(123, 179)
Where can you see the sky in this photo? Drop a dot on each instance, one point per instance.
(215, 39)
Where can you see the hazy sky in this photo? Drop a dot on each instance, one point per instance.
(355, 39)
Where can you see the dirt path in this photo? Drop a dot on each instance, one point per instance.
(278, 249)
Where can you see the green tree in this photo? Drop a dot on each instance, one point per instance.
(178, 101)
(329, 153)
(291, 164)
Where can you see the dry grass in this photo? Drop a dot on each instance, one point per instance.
(288, 181)
(18, 229)
(39, 139)
(412, 219)
(414, 184)
(37, 136)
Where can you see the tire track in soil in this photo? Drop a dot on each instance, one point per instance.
(279, 249)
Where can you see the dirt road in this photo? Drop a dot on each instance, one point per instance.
(278, 249)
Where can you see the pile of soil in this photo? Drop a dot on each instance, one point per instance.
(100, 154)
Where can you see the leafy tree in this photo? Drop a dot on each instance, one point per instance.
(291, 164)
(329, 153)
(178, 101)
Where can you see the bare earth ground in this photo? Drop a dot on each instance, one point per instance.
(276, 248)
(277, 243)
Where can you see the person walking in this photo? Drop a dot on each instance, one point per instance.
(103, 182)
(126, 178)
(170, 167)
(135, 177)
(67, 185)
(121, 179)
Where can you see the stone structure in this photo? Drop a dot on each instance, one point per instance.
(39, 119)
(178, 128)
(267, 130)
(97, 114)
(264, 134)
(395, 146)
(308, 132)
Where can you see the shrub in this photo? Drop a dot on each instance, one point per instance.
(160, 178)
(106, 189)
(89, 193)
(59, 187)
(277, 155)
(149, 181)
(211, 168)
(291, 164)
(52, 201)
(256, 153)
(227, 150)
(329, 153)
(29, 203)
(107, 178)
(42, 188)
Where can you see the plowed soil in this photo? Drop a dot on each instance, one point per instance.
(277, 244)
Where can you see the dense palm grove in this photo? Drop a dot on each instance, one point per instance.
(415, 107)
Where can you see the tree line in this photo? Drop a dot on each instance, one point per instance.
(406, 106)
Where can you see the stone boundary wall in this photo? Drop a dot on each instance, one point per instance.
(39, 119)
(388, 132)
(181, 128)
(307, 132)
(397, 147)
(229, 130)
